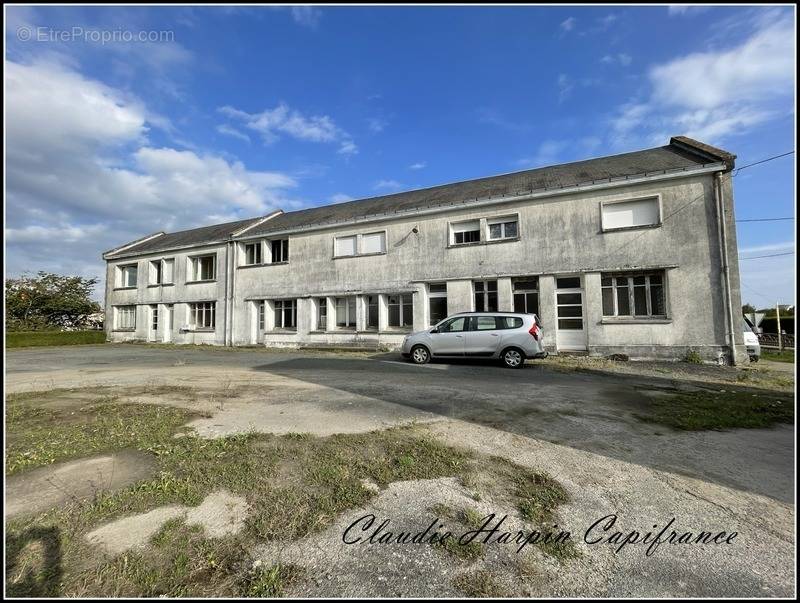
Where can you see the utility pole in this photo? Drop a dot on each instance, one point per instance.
(778, 316)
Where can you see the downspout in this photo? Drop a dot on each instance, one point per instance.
(229, 275)
(233, 289)
(722, 230)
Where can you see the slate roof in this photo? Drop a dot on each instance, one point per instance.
(681, 154)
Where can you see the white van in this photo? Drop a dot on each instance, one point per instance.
(751, 341)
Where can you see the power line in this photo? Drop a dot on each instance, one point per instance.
(771, 255)
(764, 219)
(736, 172)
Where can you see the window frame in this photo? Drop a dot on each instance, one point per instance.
(485, 291)
(436, 295)
(209, 308)
(358, 248)
(525, 292)
(502, 221)
(283, 247)
(322, 313)
(123, 270)
(401, 304)
(452, 232)
(609, 202)
(280, 307)
(127, 309)
(195, 268)
(631, 294)
(350, 322)
(259, 247)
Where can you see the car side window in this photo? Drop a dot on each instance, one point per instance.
(508, 322)
(455, 325)
(485, 323)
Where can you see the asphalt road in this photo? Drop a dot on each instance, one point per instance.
(590, 412)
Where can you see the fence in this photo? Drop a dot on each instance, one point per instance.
(770, 340)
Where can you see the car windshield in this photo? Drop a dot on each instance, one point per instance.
(746, 325)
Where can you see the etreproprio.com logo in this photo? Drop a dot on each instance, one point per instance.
(94, 36)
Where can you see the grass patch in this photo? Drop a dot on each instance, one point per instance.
(778, 355)
(41, 435)
(479, 583)
(698, 411)
(693, 357)
(471, 551)
(25, 339)
(295, 485)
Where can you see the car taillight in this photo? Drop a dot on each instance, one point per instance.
(534, 331)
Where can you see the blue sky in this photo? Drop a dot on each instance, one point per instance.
(235, 111)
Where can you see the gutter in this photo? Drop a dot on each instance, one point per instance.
(723, 241)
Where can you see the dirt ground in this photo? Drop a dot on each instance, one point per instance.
(576, 426)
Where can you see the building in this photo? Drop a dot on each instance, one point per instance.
(633, 253)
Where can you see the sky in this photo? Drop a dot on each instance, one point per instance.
(124, 121)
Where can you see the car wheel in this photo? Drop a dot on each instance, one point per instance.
(753, 358)
(513, 358)
(420, 354)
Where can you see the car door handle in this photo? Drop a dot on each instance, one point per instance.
(459, 336)
(494, 334)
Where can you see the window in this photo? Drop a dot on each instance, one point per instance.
(372, 311)
(155, 272)
(401, 311)
(466, 232)
(252, 254)
(455, 325)
(634, 294)
(374, 242)
(346, 312)
(322, 314)
(204, 268)
(437, 302)
(526, 295)
(128, 275)
(345, 246)
(280, 251)
(285, 314)
(154, 318)
(502, 228)
(167, 271)
(203, 315)
(508, 322)
(485, 296)
(262, 314)
(126, 317)
(631, 214)
(484, 323)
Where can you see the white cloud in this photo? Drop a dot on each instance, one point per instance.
(387, 185)
(271, 123)
(86, 178)
(308, 16)
(547, 154)
(568, 24)
(620, 58)
(377, 124)
(714, 94)
(773, 247)
(340, 198)
(230, 131)
(418, 165)
(685, 9)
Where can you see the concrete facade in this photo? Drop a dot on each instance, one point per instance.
(560, 235)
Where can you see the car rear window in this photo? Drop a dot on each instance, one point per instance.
(508, 322)
(485, 323)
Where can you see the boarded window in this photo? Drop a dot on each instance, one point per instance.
(629, 214)
(374, 242)
(345, 246)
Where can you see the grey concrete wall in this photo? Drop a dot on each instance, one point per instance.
(557, 236)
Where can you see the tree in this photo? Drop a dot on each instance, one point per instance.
(47, 301)
(748, 309)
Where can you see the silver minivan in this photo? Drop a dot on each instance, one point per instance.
(506, 336)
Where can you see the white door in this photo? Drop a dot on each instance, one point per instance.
(153, 332)
(570, 323)
(169, 319)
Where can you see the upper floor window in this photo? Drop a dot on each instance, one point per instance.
(280, 251)
(203, 268)
(125, 317)
(502, 228)
(128, 275)
(203, 315)
(466, 232)
(634, 294)
(631, 214)
(485, 296)
(360, 244)
(252, 253)
(162, 271)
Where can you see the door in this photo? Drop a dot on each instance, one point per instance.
(483, 337)
(570, 323)
(153, 332)
(169, 320)
(449, 340)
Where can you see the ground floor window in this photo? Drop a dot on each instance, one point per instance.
(262, 313)
(437, 302)
(126, 317)
(203, 315)
(526, 295)
(634, 294)
(285, 314)
(372, 311)
(322, 314)
(401, 310)
(485, 296)
(154, 318)
(346, 312)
